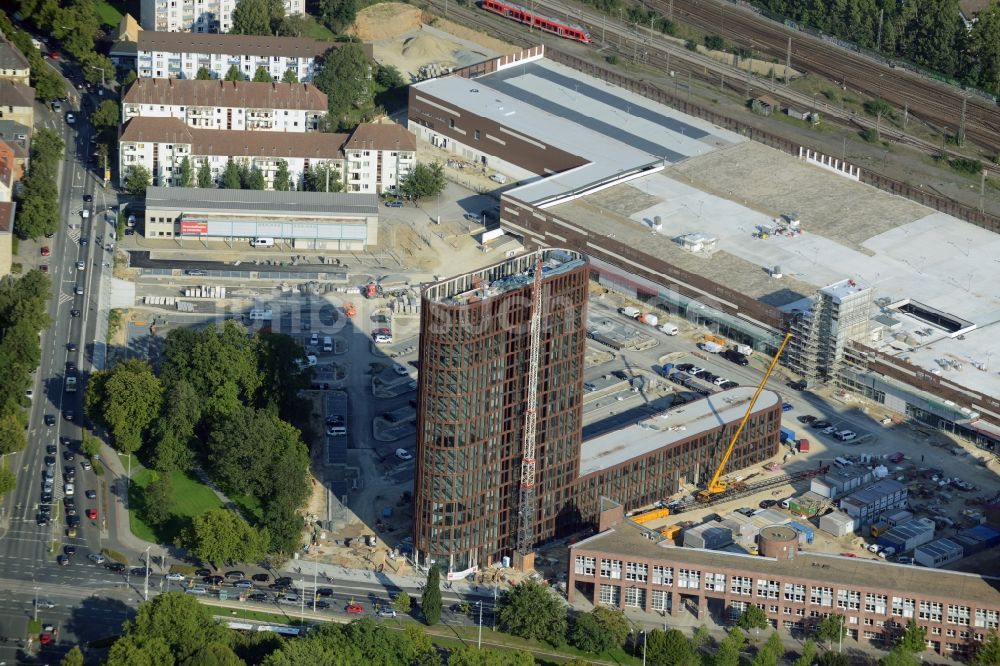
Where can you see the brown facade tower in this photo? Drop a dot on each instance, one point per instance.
(474, 357)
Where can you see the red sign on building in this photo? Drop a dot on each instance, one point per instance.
(194, 228)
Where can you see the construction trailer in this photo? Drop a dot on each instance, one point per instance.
(871, 504)
(841, 481)
(909, 535)
(837, 523)
(710, 536)
(938, 553)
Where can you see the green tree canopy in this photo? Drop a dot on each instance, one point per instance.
(752, 618)
(262, 76)
(430, 601)
(186, 174)
(337, 14)
(8, 481)
(670, 648)
(469, 656)
(126, 399)
(289, 77)
(831, 629)
(158, 500)
(322, 178)
(346, 78)
(282, 179)
(180, 621)
(255, 180)
(589, 635)
(72, 658)
(530, 610)
(173, 432)
(233, 74)
(831, 658)
(12, 435)
(728, 652)
(137, 180)
(106, 116)
(205, 175)
(807, 655)
(138, 651)
(204, 75)
(914, 639)
(988, 652)
(899, 657)
(402, 603)
(231, 176)
(220, 536)
(771, 652)
(423, 182)
(258, 17)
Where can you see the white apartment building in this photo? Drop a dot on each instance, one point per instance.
(161, 144)
(179, 55)
(227, 105)
(197, 15)
(379, 156)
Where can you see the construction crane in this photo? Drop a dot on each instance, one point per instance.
(717, 485)
(526, 507)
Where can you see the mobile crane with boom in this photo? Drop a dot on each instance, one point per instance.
(718, 485)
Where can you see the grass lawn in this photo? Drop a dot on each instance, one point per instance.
(191, 498)
(108, 13)
(317, 30)
(249, 505)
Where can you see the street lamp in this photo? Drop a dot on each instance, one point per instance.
(479, 643)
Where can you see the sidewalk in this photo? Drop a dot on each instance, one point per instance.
(118, 487)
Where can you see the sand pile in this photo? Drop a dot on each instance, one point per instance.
(385, 21)
(425, 48)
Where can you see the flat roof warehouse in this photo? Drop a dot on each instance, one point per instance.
(648, 174)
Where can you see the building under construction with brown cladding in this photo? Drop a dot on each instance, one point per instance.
(474, 355)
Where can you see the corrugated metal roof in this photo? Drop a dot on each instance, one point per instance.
(295, 203)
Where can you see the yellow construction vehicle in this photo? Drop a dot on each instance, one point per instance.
(718, 485)
(650, 516)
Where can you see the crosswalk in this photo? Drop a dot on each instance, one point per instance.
(74, 233)
(65, 298)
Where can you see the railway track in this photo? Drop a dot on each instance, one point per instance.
(939, 104)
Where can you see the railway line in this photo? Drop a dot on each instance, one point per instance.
(936, 103)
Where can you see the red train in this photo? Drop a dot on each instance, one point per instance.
(528, 17)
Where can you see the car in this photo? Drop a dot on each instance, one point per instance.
(91, 513)
(83, 240)
(50, 420)
(806, 419)
(69, 456)
(735, 357)
(50, 461)
(69, 471)
(394, 204)
(68, 489)
(904, 560)
(71, 346)
(819, 425)
(324, 592)
(283, 580)
(767, 504)
(195, 272)
(80, 266)
(44, 268)
(709, 377)
(69, 414)
(336, 431)
(400, 370)
(728, 385)
(46, 251)
(203, 572)
(90, 494)
(787, 406)
(46, 497)
(130, 232)
(846, 435)
(42, 519)
(130, 222)
(322, 605)
(44, 603)
(258, 596)
(403, 454)
(116, 567)
(63, 560)
(78, 290)
(174, 576)
(260, 577)
(69, 502)
(235, 575)
(354, 609)
(385, 611)
(50, 449)
(829, 430)
(195, 590)
(87, 198)
(54, 55)
(874, 548)
(87, 466)
(69, 550)
(96, 558)
(291, 600)
(57, 106)
(74, 313)
(243, 584)
(139, 571)
(212, 580)
(693, 370)
(335, 420)
(745, 511)
(70, 118)
(719, 381)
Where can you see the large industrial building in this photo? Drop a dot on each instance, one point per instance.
(887, 298)
(474, 353)
(627, 566)
(302, 220)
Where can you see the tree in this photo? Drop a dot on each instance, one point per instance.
(255, 180)
(614, 622)
(669, 648)
(127, 398)
(530, 610)
(589, 635)
(91, 446)
(138, 180)
(346, 79)
(984, 44)
(205, 75)
(878, 108)
(177, 619)
(258, 17)
(282, 179)
(186, 172)
(173, 431)
(728, 653)
(97, 68)
(430, 601)
(8, 481)
(988, 652)
(402, 603)
(133, 651)
(337, 14)
(424, 181)
(914, 638)
(808, 654)
(48, 84)
(770, 652)
(12, 436)
(205, 175)
(831, 630)
(322, 178)
(129, 78)
(830, 658)
(158, 500)
(261, 76)
(231, 176)
(221, 536)
(700, 638)
(753, 617)
(214, 654)
(899, 657)
(289, 77)
(233, 74)
(73, 658)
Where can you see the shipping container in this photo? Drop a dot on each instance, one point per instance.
(909, 535)
(837, 523)
(803, 446)
(806, 532)
(938, 553)
(711, 536)
(787, 434)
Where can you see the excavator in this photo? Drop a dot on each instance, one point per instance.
(718, 485)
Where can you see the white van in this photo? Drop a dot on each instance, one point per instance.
(327, 343)
(381, 339)
(262, 242)
(669, 329)
(785, 503)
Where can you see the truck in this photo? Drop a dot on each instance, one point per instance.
(803, 446)
(650, 319)
(669, 329)
(70, 384)
(372, 290)
(787, 435)
(746, 350)
(632, 313)
(710, 347)
(665, 369)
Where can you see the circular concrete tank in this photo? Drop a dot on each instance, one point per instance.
(778, 541)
